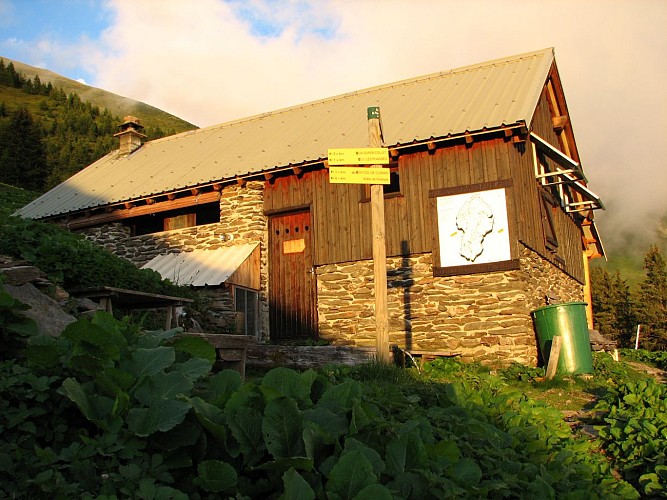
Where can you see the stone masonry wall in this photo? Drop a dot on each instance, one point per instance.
(241, 221)
(482, 317)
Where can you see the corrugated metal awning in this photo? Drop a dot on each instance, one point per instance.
(201, 267)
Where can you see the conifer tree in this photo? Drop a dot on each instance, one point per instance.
(22, 153)
(612, 306)
(652, 301)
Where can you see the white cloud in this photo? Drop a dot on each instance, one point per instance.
(212, 61)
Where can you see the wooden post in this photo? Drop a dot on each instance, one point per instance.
(379, 247)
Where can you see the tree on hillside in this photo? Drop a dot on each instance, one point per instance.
(613, 306)
(22, 153)
(652, 301)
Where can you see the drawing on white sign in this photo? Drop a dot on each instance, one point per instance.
(475, 220)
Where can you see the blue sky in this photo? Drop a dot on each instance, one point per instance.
(211, 61)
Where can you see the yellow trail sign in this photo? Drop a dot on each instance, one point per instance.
(358, 156)
(359, 175)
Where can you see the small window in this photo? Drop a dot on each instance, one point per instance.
(245, 307)
(550, 234)
(180, 222)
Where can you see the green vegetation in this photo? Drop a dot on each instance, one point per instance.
(48, 134)
(72, 261)
(106, 411)
(618, 309)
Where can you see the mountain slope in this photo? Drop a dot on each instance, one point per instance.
(116, 104)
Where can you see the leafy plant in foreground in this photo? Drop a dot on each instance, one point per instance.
(635, 434)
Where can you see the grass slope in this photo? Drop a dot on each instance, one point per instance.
(116, 104)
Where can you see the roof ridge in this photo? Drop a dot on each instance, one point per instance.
(355, 93)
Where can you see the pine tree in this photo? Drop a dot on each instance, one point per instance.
(22, 152)
(613, 307)
(652, 301)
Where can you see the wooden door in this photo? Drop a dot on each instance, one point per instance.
(292, 286)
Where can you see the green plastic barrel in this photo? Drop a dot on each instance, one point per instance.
(569, 321)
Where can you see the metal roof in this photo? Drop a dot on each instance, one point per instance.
(201, 267)
(493, 94)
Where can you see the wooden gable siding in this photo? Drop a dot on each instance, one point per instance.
(341, 220)
(531, 232)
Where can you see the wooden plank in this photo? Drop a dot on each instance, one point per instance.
(303, 357)
(554, 356)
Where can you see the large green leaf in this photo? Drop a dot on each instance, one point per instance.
(333, 425)
(99, 345)
(373, 456)
(147, 362)
(296, 487)
(160, 416)
(222, 386)
(163, 386)
(341, 397)
(350, 475)
(290, 383)
(95, 408)
(197, 347)
(282, 428)
(215, 476)
(194, 368)
(211, 418)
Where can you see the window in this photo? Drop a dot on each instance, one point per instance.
(548, 206)
(391, 189)
(245, 307)
(208, 213)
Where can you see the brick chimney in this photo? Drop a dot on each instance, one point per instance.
(130, 135)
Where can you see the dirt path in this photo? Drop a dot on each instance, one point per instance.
(657, 373)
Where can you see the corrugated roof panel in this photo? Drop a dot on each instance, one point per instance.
(487, 95)
(201, 267)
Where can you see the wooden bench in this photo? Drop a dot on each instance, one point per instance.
(231, 350)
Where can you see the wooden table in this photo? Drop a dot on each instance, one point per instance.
(109, 297)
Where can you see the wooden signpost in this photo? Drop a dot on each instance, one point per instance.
(376, 176)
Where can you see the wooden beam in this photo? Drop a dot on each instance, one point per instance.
(559, 122)
(217, 187)
(241, 181)
(268, 176)
(171, 196)
(297, 170)
(128, 204)
(150, 201)
(135, 211)
(394, 153)
(431, 147)
(195, 191)
(469, 138)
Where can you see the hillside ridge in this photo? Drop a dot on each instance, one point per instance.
(115, 103)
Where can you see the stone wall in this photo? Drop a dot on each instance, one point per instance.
(242, 221)
(483, 317)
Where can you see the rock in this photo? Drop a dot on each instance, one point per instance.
(46, 312)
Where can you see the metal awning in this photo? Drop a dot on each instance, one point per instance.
(568, 177)
(201, 267)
